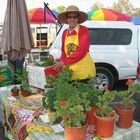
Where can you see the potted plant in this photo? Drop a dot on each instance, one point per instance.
(22, 77)
(93, 94)
(15, 91)
(67, 104)
(105, 116)
(71, 105)
(56, 88)
(126, 106)
(25, 89)
(72, 111)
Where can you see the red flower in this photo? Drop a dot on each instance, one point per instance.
(129, 81)
(62, 103)
(106, 88)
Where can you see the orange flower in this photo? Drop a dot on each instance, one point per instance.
(3, 77)
(1, 70)
(129, 81)
(62, 103)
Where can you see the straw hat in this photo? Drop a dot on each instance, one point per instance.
(72, 8)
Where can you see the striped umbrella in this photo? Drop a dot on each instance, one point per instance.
(55, 13)
(107, 14)
(36, 15)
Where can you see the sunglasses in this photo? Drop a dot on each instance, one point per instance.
(74, 17)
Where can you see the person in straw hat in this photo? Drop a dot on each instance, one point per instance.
(75, 45)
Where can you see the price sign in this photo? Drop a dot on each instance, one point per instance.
(36, 76)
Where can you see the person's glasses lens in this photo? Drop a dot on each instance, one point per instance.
(74, 17)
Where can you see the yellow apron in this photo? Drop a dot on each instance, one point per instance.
(84, 68)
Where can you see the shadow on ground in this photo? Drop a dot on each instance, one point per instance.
(2, 133)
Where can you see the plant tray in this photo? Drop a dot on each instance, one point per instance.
(31, 102)
(50, 71)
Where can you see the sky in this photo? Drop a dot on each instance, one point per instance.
(83, 5)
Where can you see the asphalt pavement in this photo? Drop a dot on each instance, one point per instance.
(2, 133)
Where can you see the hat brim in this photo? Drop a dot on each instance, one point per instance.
(82, 16)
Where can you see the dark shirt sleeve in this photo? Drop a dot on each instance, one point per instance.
(84, 43)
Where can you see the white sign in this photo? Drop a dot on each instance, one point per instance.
(44, 118)
(57, 128)
(36, 76)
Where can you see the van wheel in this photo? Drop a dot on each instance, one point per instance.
(103, 77)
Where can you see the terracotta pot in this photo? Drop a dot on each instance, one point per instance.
(75, 133)
(90, 117)
(105, 126)
(15, 92)
(125, 116)
(25, 93)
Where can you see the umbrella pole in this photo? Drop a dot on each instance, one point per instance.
(47, 8)
(44, 14)
(40, 36)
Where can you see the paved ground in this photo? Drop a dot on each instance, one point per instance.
(137, 110)
(2, 136)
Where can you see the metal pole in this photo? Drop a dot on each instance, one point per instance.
(46, 7)
(44, 12)
(40, 36)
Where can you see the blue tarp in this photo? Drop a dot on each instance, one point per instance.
(136, 20)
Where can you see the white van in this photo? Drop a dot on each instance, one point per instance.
(114, 46)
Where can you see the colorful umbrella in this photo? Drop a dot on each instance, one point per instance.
(55, 13)
(36, 15)
(107, 14)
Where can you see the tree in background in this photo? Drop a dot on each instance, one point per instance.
(124, 6)
(61, 9)
(137, 12)
(97, 5)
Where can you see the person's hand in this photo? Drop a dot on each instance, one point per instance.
(59, 65)
(57, 60)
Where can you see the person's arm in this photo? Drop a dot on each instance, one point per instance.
(83, 48)
(59, 63)
(63, 54)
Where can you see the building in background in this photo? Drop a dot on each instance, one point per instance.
(44, 34)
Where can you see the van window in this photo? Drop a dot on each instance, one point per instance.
(105, 36)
